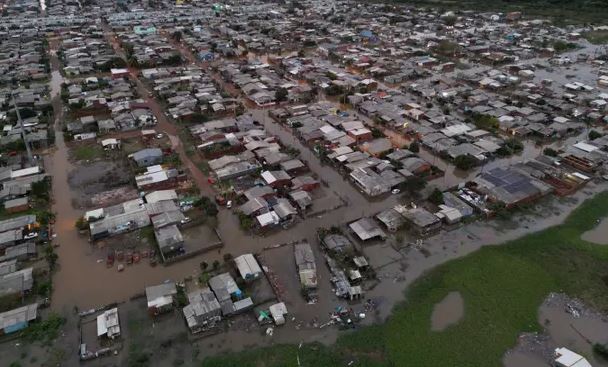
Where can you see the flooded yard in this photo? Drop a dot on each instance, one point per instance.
(599, 234)
(448, 312)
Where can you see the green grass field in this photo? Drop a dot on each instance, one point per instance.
(560, 11)
(502, 288)
(87, 152)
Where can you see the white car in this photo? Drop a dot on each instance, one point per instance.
(185, 220)
(229, 204)
(159, 136)
(30, 235)
(395, 191)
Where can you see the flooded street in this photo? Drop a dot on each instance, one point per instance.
(447, 312)
(599, 234)
(83, 281)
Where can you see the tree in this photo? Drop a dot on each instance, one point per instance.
(281, 94)
(436, 197)
(204, 266)
(465, 162)
(550, 152)
(207, 205)
(177, 36)
(216, 264)
(227, 257)
(486, 122)
(414, 147)
(413, 186)
(594, 135)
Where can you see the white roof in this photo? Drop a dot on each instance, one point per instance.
(25, 172)
(95, 214)
(161, 195)
(108, 324)
(455, 130)
(586, 147)
(268, 219)
(567, 358)
(248, 266)
(268, 177)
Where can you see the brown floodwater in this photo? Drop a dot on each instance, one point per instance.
(567, 323)
(447, 312)
(599, 234)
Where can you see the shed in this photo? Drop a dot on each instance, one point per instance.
(248, 267)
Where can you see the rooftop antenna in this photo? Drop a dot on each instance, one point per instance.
(27, 144)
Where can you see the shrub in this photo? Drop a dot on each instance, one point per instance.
(465, 162)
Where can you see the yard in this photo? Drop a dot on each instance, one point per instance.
(502, 288)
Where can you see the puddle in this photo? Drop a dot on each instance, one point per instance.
(599, 234)
(447, 312)
(522, 359)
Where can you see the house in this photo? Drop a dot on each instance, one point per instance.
(160, 298)
(18, 318)
(337, 243)
(170, 241)
(391, 219)
(278, 312)
(305, 183)
(17, 282)
(225, 289)
(276, 179)
(420, 220)
(301, 198)
(248, 267)
(203, 311)
(377, 147)
(16, 205)
(147, 157)
(307, 267)
(367, 229)
(108, 324)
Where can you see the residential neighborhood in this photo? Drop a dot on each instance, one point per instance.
(182, 181)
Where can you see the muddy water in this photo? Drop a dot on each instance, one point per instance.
(575, 333)
(599, 234)
(567, 323)
(523, 359)
(447, 312)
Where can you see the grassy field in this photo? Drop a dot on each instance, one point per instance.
(502, 289)
(597, 37)
(560, 11)
(87, 152)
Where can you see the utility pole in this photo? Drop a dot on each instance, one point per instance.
(27, 144)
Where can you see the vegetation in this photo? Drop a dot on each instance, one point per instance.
(562, 46)
(207, 205)
(594, 135)
(465, 162)
(87, 152)
(601, 350)
(550, 152)
(436, 197)
(44, 331)
(597, 37)
(500, 299)
(560, 11)
(281, 94)
(414, 147)
(511, 146)
(485, 122)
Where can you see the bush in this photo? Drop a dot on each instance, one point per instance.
(465, 162)
(601, 350)
(207, 205)
(550, 152)
(414, 147)
(81, 224)
(436, 197)
(485, 122)
(594, 135)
